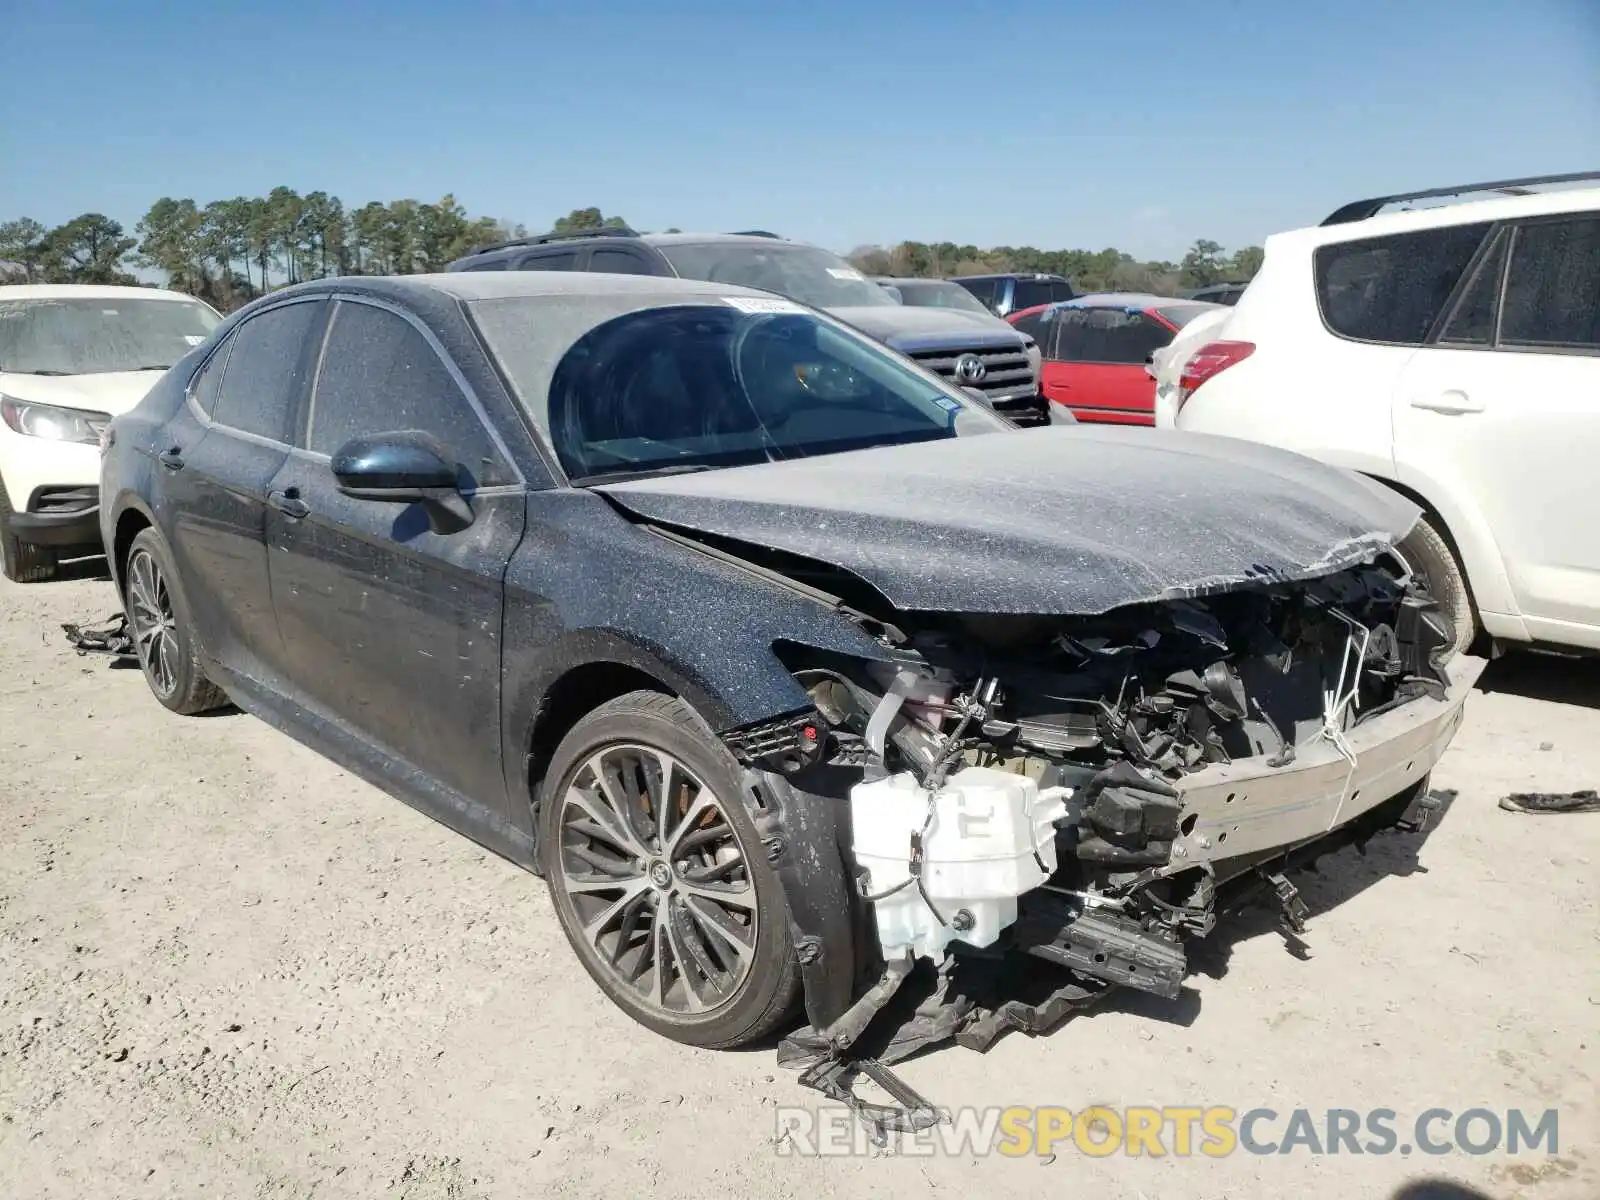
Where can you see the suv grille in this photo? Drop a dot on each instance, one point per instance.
(1003, 370)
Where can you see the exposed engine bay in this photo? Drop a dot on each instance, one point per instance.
(1039, 785)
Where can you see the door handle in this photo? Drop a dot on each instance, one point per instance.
(289, 503)
(1453, 402)
(171, 459)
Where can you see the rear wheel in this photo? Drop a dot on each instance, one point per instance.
(20, 561)
(1435, 563)
(659, 878)
(159, 624)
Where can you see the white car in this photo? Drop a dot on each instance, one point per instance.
(1452, 352)
(73, 356)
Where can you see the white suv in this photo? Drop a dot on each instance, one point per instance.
(72, 357)
(1452, 352)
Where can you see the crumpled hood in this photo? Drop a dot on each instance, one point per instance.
(1063, 520)
(907, 327)
(113, 392)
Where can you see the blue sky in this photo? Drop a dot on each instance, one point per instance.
(1138, 125)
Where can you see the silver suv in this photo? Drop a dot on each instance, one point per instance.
(966, 350)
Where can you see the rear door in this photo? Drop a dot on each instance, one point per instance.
(1501, 412)
(390, 627)
(216, 474)
(1094, 363)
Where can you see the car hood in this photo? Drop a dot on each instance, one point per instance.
(1063, 520)
(906, 327)
(113, 392)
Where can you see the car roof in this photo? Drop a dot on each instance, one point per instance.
(84, 291)
(695, 239)
(1436, 216)
(1010, 275)
(1123, 300)
(470, 286)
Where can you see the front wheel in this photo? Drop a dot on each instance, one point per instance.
(20, 561)
(1434, 562)
(658, 876)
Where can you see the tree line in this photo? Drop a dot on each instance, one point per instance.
(1089, 270)
(227, 252)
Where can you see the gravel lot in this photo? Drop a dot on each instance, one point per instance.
(227, 967)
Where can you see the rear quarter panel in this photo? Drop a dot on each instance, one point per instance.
(1303, 389)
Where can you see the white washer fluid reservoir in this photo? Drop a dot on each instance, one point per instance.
(984, 836)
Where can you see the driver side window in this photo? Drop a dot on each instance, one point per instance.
(379, 374)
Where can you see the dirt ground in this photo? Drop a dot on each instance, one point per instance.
(228, 968)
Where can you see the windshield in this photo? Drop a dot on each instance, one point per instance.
(802, 273)
(721, 382)
(91, 336)
(937, 293)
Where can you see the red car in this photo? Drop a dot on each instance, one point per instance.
(1095, 349)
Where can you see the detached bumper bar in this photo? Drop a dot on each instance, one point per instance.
(1238, 810)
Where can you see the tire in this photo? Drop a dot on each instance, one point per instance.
(159, 622)
(1434, 562)
(20, 561)
(744, 996)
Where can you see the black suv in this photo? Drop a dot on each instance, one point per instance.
(1006, 294)
(962, 348)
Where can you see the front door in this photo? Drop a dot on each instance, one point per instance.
(391, 628)
(1095, 359)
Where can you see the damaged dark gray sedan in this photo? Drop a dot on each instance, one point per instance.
(788, 666)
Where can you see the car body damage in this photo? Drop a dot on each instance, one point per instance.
(1088, 721)
(1059, 521)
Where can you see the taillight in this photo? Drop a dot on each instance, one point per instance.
(1208, 362)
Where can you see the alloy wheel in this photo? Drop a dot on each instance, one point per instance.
(658, 879)
(155, 628)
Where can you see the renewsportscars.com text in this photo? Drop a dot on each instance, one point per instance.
(1156, 1132)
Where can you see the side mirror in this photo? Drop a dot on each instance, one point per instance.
(404, 467)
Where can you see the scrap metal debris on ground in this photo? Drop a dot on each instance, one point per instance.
(109, 636)
(1587, 800)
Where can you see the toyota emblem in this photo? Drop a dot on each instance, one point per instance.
(970, 369)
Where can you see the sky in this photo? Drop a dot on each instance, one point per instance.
(1081, 123)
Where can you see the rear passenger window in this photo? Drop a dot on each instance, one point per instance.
(1392, 289)
(1062, 291)
(617, 262)
(1553, 289)
(267, 370)
(380, 374)
(1472, 323)
(560, 260)
(1107, 335)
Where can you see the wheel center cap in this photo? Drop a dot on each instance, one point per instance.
(661, 875)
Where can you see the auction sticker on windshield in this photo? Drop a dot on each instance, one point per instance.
(752, 304)
(845, 273)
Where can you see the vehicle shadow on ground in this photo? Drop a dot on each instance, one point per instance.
(93, 569)
(1438, 1189)
(1555, 678)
